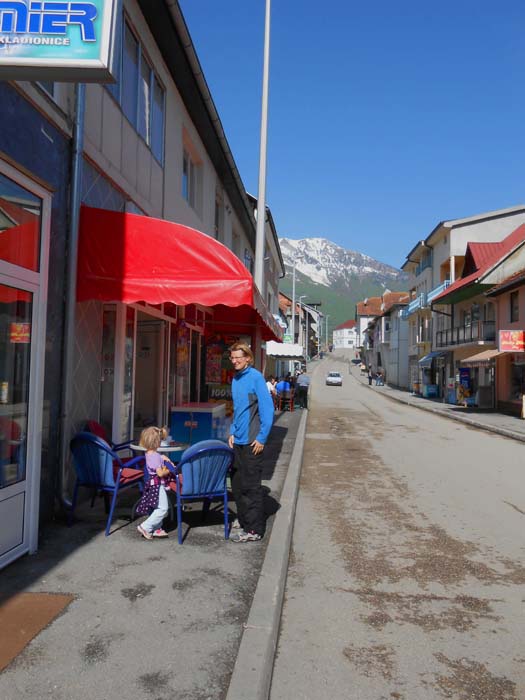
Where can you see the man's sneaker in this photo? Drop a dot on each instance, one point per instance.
(160, 533)
(236, 525)
(147, 535)
(243, 536)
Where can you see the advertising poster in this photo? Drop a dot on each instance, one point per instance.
(512, 341)
(20, 333)
(183, 351)
(219, 369)
(215, 349)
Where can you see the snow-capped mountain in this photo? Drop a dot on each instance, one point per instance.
(323, 262)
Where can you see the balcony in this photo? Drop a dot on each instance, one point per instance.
(479, 331)
(437, 291)
(423, 265)
(418, 303)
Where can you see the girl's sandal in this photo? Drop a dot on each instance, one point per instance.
(147, 535)
(160, 533)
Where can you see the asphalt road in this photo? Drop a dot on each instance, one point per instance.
(407, 574)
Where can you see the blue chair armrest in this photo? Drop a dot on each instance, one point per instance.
(132, 462)
(120, 445)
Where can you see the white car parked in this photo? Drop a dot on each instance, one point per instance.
(334, 379)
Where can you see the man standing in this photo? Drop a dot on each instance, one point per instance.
(249, 430)
(302, 383)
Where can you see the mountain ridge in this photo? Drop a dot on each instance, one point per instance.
(336, 276)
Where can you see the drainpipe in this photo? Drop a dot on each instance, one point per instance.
(75, 196)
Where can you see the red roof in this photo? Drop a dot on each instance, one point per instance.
(346, 324)
(481, 257)
(390, 299)
(369, 307)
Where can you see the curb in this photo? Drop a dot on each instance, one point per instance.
(445, 414)
(252, 673)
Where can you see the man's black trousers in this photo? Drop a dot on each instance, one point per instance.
(302, 395)
(247, 489)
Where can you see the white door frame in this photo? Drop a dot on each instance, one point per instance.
(35, 283)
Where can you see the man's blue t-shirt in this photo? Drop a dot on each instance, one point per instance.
(252, 408)
(283, 386)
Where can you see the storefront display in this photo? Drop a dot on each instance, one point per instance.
(517, 377)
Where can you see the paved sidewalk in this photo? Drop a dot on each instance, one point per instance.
(148, 619)
(509, 426)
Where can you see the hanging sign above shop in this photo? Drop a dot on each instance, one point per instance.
(61, 41)
(512, 341)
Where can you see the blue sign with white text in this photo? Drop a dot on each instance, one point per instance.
(48, 33)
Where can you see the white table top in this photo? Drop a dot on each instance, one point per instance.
(164, 449)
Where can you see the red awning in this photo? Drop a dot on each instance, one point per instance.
(131, 258)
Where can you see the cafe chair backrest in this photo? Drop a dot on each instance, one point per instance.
(204, 468)
(100, 469)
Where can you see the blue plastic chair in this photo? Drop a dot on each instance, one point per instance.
(204, 468)
(93, 426)
(99, 468)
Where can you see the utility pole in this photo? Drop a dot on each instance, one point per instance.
(326, 334)
(261, 198)
(293, 303)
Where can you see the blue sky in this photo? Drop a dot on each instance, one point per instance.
(384, 118)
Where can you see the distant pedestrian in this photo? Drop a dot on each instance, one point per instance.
(303, 383)
(370, 376)
(270, 383)
(283, 386)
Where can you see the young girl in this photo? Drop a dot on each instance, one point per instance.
(159, 477)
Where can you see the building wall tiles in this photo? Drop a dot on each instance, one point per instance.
(111, 143)
(93, 115)
(33, 143)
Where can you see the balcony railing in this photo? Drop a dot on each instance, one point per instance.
(424, 264)
(437, 291)
(477, 331)
(418, 303)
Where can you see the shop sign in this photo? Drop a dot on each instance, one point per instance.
(62, 41)
(20, 333)
(512, 341)
(287, 338)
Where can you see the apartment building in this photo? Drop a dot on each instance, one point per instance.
(136, 182)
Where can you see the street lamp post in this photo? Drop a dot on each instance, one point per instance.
(261, 197)
(293, 303)
(301, 336)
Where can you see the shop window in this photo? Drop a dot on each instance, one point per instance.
(126, 428)
(514, 307)
(15, 355)
(517, 382)
(107, 381)
(20, 213)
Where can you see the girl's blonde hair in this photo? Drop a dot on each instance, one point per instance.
(150, 438)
